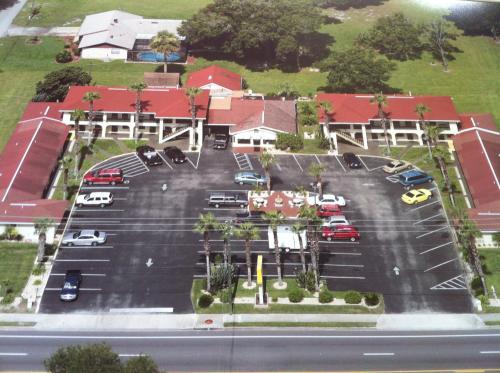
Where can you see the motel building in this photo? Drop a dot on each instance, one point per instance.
(354, 119)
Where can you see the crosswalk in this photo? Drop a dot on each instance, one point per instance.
(130, 164)
(243, 161)
(455, 283)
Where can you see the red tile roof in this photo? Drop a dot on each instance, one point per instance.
(164, 103)
(474, 120)
(217, 75)
(356, 108)
(27, 211)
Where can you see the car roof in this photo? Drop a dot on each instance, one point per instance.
(329, 196)
(87, 231)
(100, 194)
(330, 206)
(338, 217)
(412, 173)
(111, 170)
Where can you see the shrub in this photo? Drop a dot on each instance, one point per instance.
(220, 276)
(477, 286)
(8, 298)
(325, 296)
(218, 259)
(484, 300)
(371, 299)
(11, 234)
(274, 298)
(64, 56)
(37, 282)
(225, 296)
(205, 300)
(288, 140)
(352, 297)
(39, 270)
(295, 295)
(324, 143)
(305, 280)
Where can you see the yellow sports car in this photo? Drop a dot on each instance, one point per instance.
(416, 196)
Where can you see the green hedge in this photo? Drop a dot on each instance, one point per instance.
(288, 140)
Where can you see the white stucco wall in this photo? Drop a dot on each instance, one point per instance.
(28, 232)
(261, 134)
(486, 240)
(104, 53)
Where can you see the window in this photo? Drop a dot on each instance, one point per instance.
(152, 129)
(243, 141)
(114, 128)
(374, 136)
(357, 126)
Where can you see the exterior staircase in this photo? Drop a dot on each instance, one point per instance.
(347, 137)
(175, 134)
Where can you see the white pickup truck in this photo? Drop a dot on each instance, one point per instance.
(287, 240)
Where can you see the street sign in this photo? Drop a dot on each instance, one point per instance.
(149, 263)
(396, 270)
(259, 270)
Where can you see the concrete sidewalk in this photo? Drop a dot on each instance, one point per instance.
(42, 31)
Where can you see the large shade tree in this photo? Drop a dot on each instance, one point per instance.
(55, 85)
(440, 33)
(205, 225)
(165, 43)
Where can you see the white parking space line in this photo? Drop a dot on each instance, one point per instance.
(343, 265)
(455, 283)
(86, 247)
(120, 161)
(83, 274)
(13, 354)
(80, 221)
(192, 164)
(431, 232)
(96, 187)
(345, 277)
(83, 260)
(421, 207)
(81, 289)
(340, 163)
(429, 218)
(341, 253)
(243, 161)
(378, 354)
(489, 352)
(164, 160)
(435, 248)
(131, 167)
(278, 167)
(364, 164)
(317, 159)
(136, 173)
(79, 209)
(440, 265)
(298, 164)
(340, 242)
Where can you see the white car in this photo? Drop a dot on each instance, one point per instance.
(327, 199)
(101, 199)
(394, 167)
(335, 220)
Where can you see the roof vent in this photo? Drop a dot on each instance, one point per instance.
(210, 77)
(115, 20)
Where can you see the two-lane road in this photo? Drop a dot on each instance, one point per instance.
(270, 350)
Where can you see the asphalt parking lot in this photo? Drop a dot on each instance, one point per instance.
(152, 255)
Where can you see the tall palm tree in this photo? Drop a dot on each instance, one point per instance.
(65, 163)
(191, 93)
(42, 225)
(381, 100)
(166, 43)
(206, 224)
(274, 218)
(267, 160)
(249, 232)
(327, 108)
(432, 133)
(442, 155)
(137, 88)
(421, 109)
(309, 216)
(77, 115)
(226, 230)
(297, 229)
(316, 170)
(90, 97)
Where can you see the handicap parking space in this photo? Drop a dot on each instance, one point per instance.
(130, 164)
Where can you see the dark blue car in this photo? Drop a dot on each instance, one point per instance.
(71, 287)
(414, 177)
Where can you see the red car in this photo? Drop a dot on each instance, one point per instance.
(105, 176)
(340, 232)
(328, 210)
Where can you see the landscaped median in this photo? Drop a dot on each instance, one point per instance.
(293, 299)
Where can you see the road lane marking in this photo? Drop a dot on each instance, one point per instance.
(421, 207)
(429, 218)
(489, 352)
(301, 169)
(340, 163)
(434, 231)
(440, 265)
(378, 354)
(435, 248)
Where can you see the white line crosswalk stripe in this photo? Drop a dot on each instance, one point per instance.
(131, 165)
(455, 283)
(243, 161)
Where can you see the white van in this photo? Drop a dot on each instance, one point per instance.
(100, 199)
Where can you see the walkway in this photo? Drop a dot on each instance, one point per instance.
(42, 31)
(7, 16)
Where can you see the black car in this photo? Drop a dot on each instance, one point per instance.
(71, 286)
(246, 216)
(221, 141)
(149, 155)
(352, 160)
(175, 154)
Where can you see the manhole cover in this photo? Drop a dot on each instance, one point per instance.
(209, 322)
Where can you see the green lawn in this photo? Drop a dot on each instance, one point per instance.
(16, 264)
(491, 259)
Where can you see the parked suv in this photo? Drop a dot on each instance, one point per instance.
(352, 160)
(95, 199)
(411, 178)
(105, 176)
(221, 141)
(228, 199)
(149, 155)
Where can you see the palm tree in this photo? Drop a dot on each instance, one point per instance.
(42, 225)
(316, 170)
(309, 216)
(274, 218)
(137, 88)
(442, 155)
(65, 163)
(267, 160)
(205, 225)
(166, 43)
(298, 228)
(421, 109)
(90, 97)
(191, 93)
(226, 230)
(381, 101)
(77, 115)
(249, 232)
(327, 108)
(432, 133)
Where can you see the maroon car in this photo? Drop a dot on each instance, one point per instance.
(104, 176)
(340, 232)
(327, 210)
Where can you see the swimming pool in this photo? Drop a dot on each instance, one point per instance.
(157, 57)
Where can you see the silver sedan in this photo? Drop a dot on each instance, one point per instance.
(86, 237)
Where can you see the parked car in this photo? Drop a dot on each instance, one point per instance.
(414, 177)
(71, 286)
(336, 220)
(101, 199)
(328, 210)
(351, 160)
(175, 154)
(415, 196)
(248, 177)
(394, 167)
(314, 200)
(221, 140)
(104, 176)
(244, 216)
(149, 155)
(228, 199)
(86, 237)
(340, 232)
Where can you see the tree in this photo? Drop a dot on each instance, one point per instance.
(477, 20)
(297, 229)
(166, 43)
(42, 225)
(249, 232)
(137, 88)
(440, 33)
(287, 90)
(421, 109)
(226, 230)
(346, 4)
(274, 218)
(316, 170)
(442, 155)
(327, 108)
(93, 358)
(140, 364)
(267, 160)
(394, 36)
(55, 85)
(191, 93)
(77, 116)
(206, 224)
(432, 134)
(309, 216)
(381, 101)
(65, 163)
(90, 97)
(357, 70)
(496, 238)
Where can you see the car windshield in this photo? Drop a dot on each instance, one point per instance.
(76, 235)
(69, 286)
(410, 194)
(220, 137)
(86, 197)
(392, 164)
(96, 233)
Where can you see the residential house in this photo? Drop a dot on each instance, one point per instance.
(219, 81)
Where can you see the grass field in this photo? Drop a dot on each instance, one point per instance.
(492, 270)
(16, 264)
